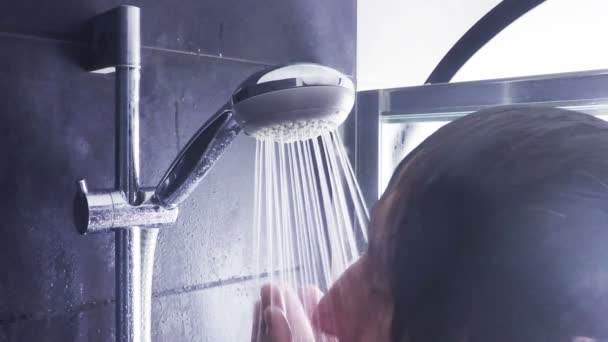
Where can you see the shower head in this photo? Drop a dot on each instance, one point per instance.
(284, 104)
(295, 102)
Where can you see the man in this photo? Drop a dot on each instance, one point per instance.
(494, 229)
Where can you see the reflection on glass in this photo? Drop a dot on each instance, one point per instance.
(398, 137)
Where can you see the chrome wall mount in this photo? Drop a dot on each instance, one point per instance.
(130, 211)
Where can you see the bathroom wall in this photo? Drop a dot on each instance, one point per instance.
(57, 125)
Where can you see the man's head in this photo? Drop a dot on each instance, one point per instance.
(495, 228)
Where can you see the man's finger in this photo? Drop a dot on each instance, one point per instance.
(257, 321)
(310, 297)
(278, 329)
(272, 296)
(299, 322)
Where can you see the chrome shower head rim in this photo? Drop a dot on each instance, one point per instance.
(293, 103)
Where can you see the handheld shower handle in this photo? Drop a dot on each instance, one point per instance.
(197, 158)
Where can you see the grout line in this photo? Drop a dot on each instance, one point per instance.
(217, 283)
(200, 287)
(82, 44)
(74, 309)
(25, 36)
(207, 55)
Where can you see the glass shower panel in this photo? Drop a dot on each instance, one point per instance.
(399, 135)
(397, 139)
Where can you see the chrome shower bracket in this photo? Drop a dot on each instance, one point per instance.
(131, 212)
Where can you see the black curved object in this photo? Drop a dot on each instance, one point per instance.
(501, 16)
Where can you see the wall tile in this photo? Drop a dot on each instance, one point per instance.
(215, 315)
(272, 31)
(93, 324)
(54, 130)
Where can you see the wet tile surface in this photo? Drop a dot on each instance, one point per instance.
(272, 31)
(214, 315)
(93, 324)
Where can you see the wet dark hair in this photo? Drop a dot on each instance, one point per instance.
(502, 232)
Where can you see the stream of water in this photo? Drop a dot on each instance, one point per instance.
(310, 220)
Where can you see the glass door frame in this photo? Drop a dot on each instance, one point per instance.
(586, 91)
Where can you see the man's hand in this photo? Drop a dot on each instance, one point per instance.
(282, 315)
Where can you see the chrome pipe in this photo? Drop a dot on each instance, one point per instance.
(130, 295)
(127, 117)
(131, 212)
(129, 299)
(148, 241)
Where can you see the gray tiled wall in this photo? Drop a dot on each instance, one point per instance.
(57, 125)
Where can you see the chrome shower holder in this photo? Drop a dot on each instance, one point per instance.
(128, 210)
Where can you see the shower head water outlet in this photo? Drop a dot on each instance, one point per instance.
(295, 102)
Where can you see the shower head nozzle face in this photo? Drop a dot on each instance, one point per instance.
(293, 103)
